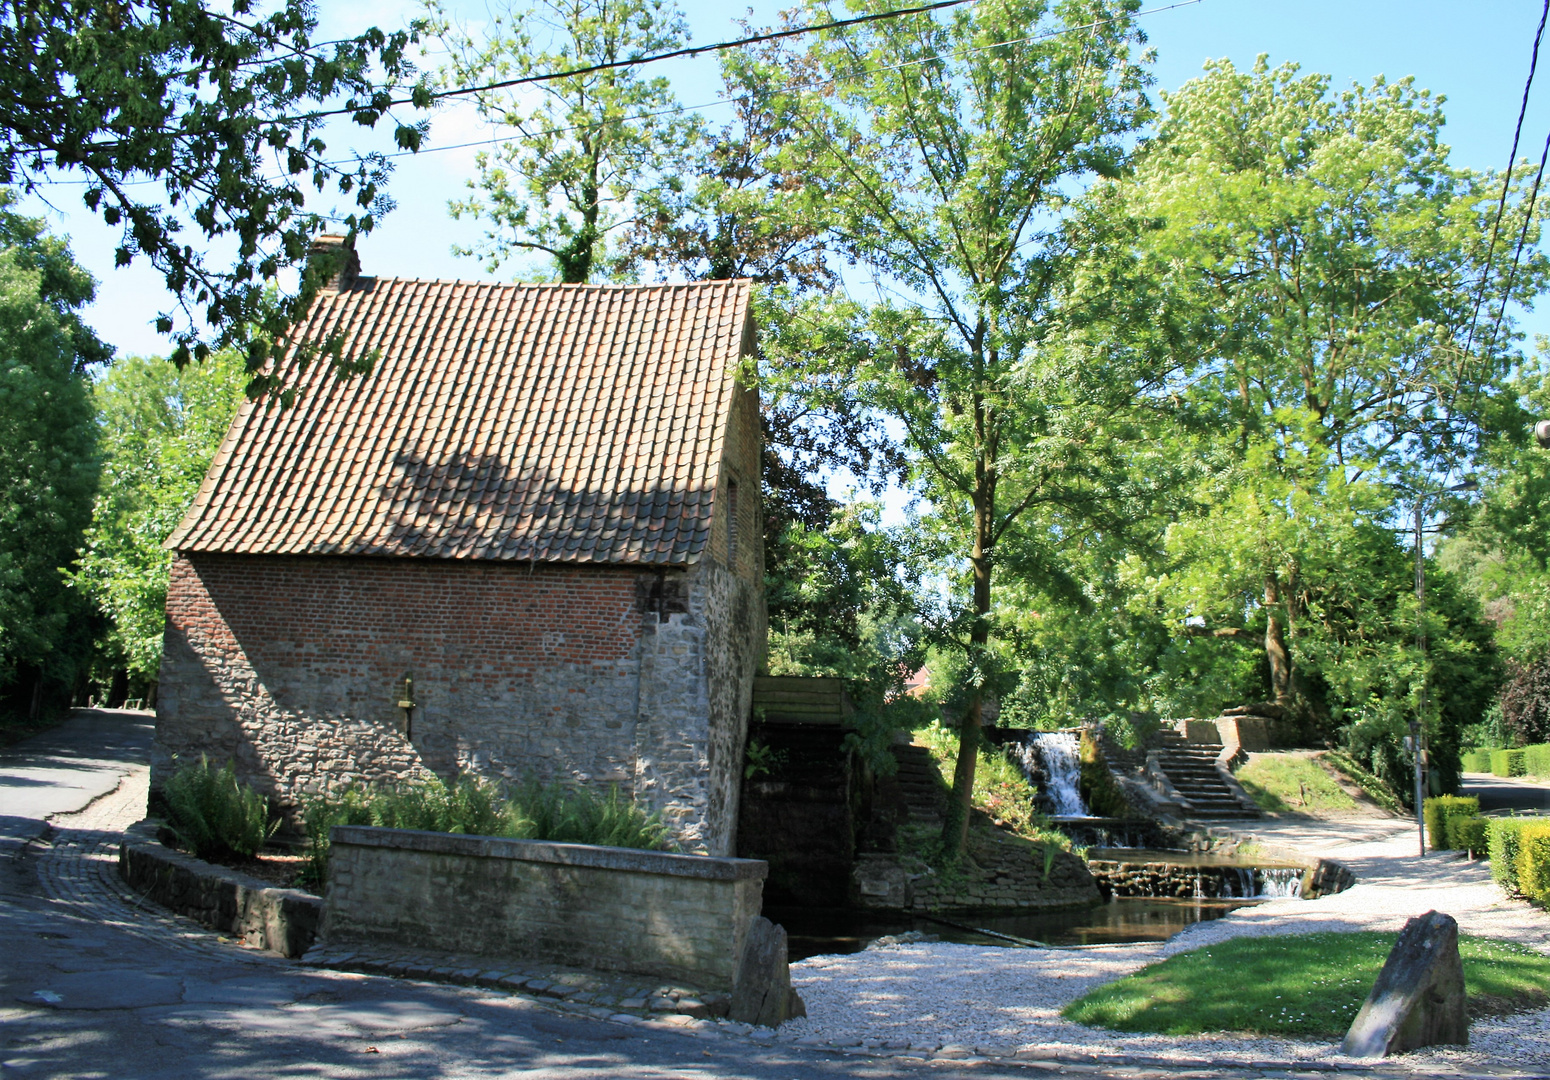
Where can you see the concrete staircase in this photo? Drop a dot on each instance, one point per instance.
(1191, 768)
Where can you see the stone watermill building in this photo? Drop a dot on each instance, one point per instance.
(528, 543)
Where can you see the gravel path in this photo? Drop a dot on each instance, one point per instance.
(1000, 1001)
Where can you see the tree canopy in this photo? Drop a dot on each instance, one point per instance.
(201, 133)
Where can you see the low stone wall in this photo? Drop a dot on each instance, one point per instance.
(281, 920)
(683, 917)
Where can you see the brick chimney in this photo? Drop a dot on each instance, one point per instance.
(336, 257)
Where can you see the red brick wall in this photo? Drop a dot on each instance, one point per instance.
(292, 666)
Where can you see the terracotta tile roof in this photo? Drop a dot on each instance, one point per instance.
(567, 423)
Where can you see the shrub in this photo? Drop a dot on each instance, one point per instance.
(1536, 760)
(1469, 834)
(1534, 860)
(212, 815)
(1441, 811)
(1476, 761)
(1502, 843)
(567, 815)
(478, 807)
(1507, 762)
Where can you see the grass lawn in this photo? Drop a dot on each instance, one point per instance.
(1293, 782)
(1306, 984)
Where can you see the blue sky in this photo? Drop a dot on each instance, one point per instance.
(1476, 54)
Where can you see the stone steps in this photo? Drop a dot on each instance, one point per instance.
(920, 783)
(1191, 769)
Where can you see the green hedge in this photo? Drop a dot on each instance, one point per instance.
(1441, 812)
(1536, 760)
(1534, 861)
(1469, 834)
(1475, 761)
(1502, 846)
(1507, 762)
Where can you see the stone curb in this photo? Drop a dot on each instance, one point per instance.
(261, 915)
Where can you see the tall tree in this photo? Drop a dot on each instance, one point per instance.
(584, 147)
(945, 152)
(1315, 263)
(180, 117)
(160, 428)
(49, 469)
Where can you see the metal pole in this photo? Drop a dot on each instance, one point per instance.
(1417, 726)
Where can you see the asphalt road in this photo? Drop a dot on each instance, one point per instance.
(1500, 793)
(63, 769)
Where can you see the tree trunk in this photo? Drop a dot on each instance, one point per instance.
(955, 827)
(1275, 646)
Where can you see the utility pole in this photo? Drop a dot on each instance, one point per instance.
(1417, 726)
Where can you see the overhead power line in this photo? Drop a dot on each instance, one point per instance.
(856, 76)
(1501, 206)
(674, 54)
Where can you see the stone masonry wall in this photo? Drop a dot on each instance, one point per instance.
(293, 667)
(678, 917)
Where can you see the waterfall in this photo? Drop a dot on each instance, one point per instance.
(1060, 767)
(1280, 883)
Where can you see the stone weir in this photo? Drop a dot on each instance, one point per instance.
(1182, 875)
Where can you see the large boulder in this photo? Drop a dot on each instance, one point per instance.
(1418, 999)
(761, 993)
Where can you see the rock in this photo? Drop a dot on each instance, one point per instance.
(761, 992)
(1418, 999)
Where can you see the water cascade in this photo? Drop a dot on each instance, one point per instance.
(1061, 768)
(1280, 883)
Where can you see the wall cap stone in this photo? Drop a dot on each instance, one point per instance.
(667, 864)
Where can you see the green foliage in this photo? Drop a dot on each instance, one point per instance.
(1536, 761)
(1100, 792)
(48, 470)
(1503, 836)
(1475, 761)
(1302, 984)
(1442, 813)
(214, 816)
(224, 111)
(532, 810)
(1288, 783)
(1001, 791)
(1469, 834)
(1508, 762)
(160, 428)
(591, 145)
(1534, 861)
(1525, 700)
(965, 234)
(1300, 254)
(762, 759)
(1375, 788)
(841, 604)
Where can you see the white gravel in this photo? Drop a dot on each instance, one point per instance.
(998, 1001)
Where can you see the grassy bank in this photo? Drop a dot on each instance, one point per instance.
(1283, 783)
(1307, 984)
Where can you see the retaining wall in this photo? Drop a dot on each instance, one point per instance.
(281, 920)
(681, 917)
